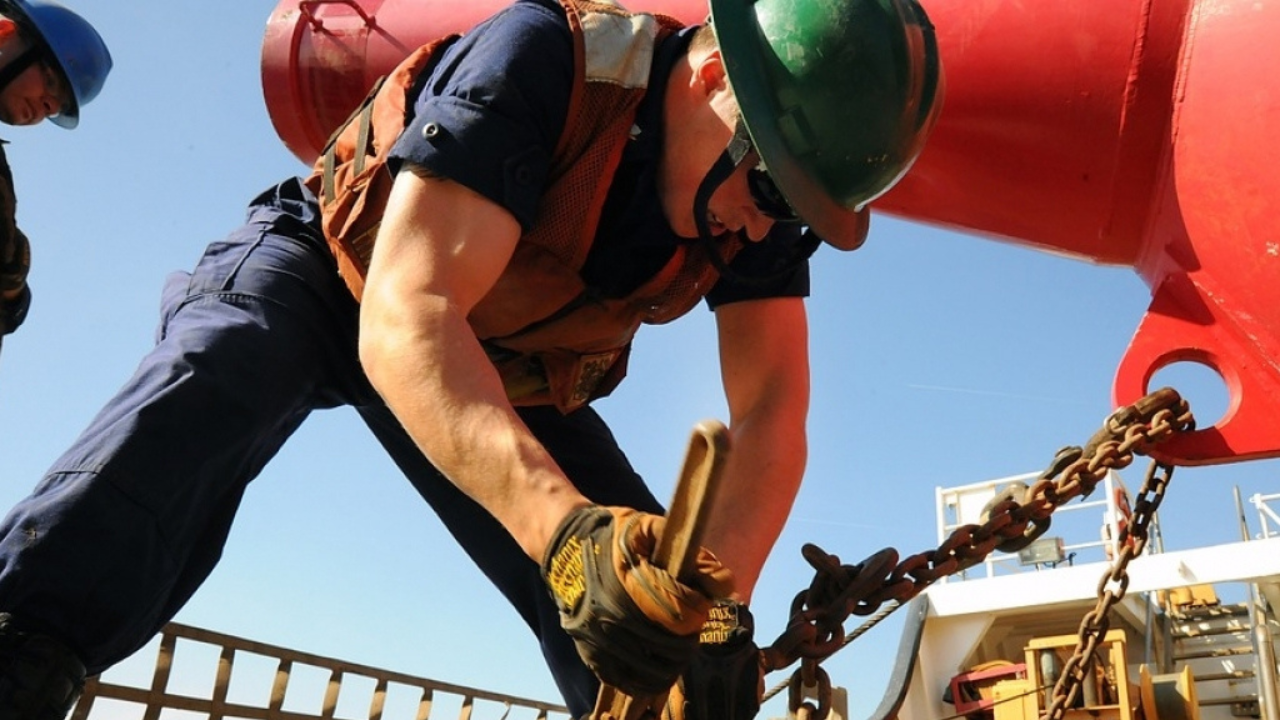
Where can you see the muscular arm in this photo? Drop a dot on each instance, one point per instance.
(764, 359)
(439, 250)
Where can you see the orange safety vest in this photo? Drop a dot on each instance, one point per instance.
(551, 341)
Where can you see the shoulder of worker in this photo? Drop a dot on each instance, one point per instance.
(535, 13)
(493, 107)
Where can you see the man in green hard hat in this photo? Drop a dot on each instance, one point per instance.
(835, 101)
(51, 63)
(467, 265)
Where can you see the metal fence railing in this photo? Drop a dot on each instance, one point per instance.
(1085, 530)
(1267, 514)
(345, 681)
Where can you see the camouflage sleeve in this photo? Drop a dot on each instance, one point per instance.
(15, 257)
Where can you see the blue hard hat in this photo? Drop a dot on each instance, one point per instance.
(74, 48)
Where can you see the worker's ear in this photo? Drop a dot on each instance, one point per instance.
(8, 30)
(709, 74)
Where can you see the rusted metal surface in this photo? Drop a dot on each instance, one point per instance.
(343, 678)
(818, 614)
(1111, 590)
(877, 586)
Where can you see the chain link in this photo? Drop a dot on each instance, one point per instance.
(1111, 590)
(816, 628)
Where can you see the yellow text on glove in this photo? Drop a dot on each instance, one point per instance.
(721, 621)
(566, 576)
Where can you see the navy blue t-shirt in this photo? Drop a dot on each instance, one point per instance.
(494, 108)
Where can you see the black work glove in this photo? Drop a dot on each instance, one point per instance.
(634, 625)
(13, 312)
(725, 680)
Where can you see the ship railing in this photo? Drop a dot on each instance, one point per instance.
(1266, 514)
(1084, 530)
(257, 681)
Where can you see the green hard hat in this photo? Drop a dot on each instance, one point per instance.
(838, 97)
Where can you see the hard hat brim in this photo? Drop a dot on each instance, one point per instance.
(745, 51)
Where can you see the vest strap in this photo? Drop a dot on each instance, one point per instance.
(365, 114)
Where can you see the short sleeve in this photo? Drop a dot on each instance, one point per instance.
(778, 266)
(492, 111)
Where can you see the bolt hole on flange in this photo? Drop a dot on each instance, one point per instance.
(1200, 385)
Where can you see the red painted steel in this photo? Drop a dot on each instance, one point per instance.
(1130, 132)
(319, 57)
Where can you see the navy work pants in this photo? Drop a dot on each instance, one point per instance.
(131, 520)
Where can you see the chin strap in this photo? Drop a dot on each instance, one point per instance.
(725, 165)
(17, 66)
(729, 160)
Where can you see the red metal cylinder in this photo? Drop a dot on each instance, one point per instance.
(1053, 124)
(1131, 132)
(1212, 253)
(1136, 133)
(320, 57)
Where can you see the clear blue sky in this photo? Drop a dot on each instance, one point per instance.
(939, 359)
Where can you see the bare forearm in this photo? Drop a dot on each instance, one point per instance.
(762, 478)
(765, 365)
(433, 374)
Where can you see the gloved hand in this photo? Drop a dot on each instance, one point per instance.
(13, 312)
(725, 680)
(634, 625)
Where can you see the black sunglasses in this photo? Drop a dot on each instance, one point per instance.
(768, 198)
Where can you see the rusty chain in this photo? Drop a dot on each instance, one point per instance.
(1111, 589)
(816, 628)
